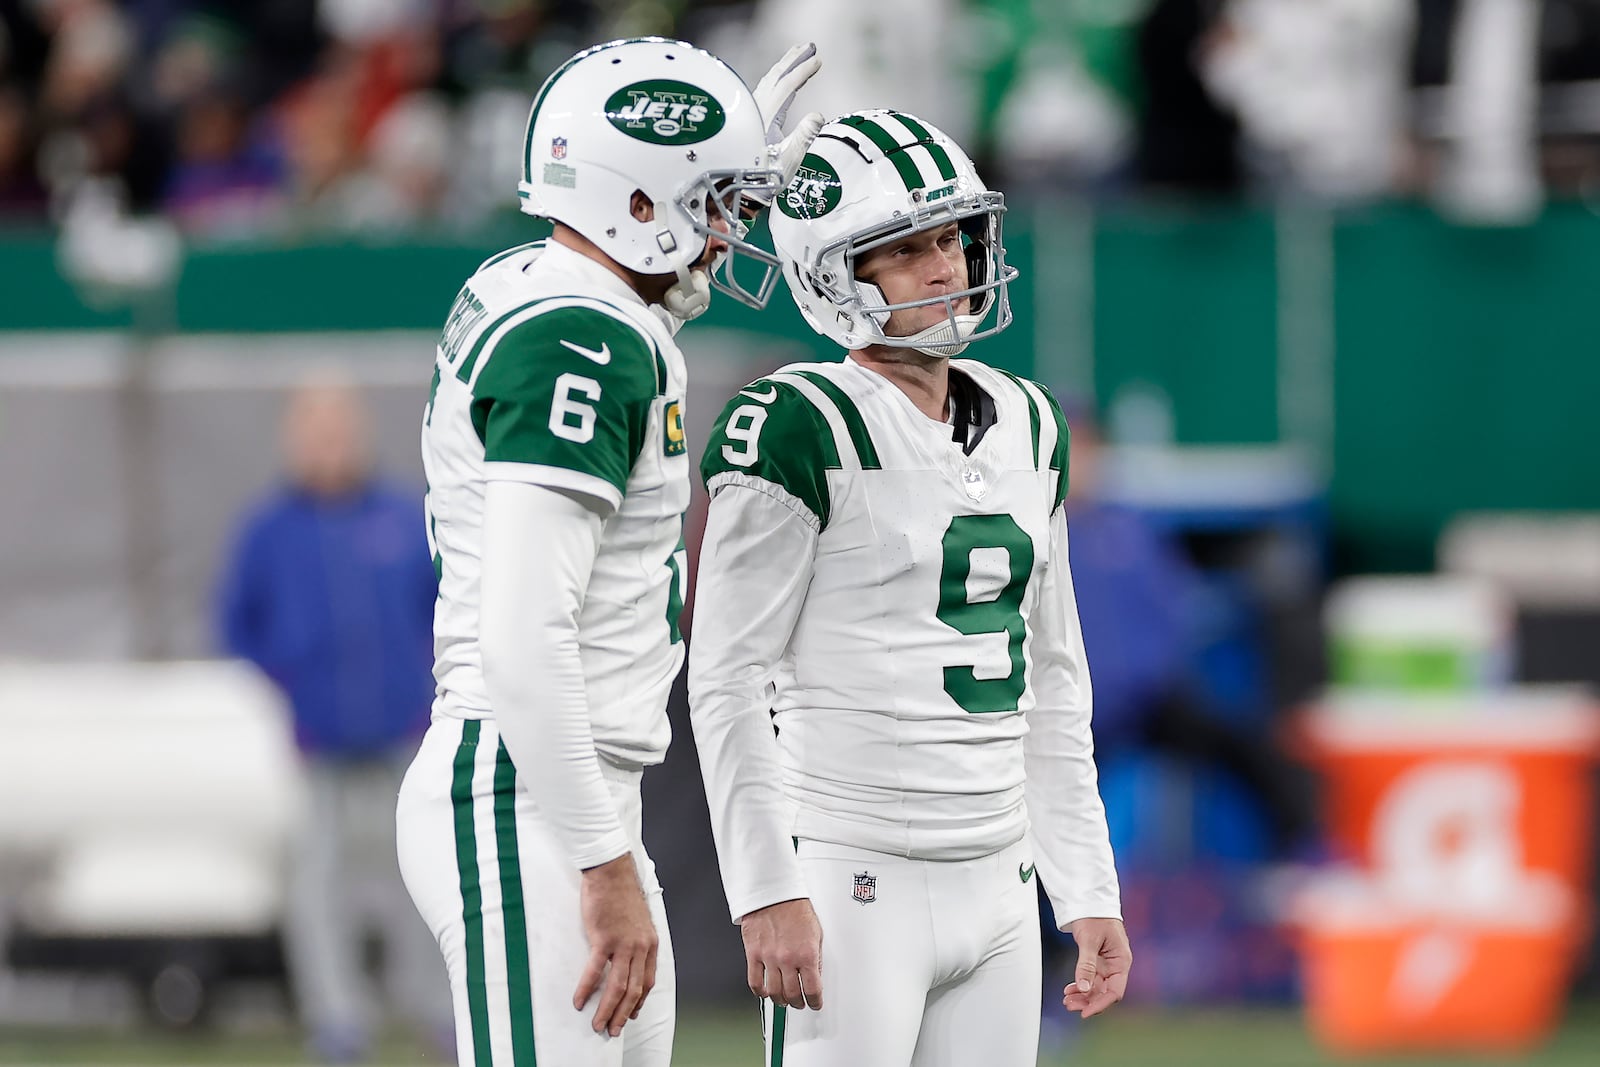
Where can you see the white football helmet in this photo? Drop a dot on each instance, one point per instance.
(665, 118)
(871, 178)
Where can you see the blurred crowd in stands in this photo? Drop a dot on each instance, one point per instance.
(240, 118)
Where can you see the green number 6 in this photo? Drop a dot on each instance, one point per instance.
(965, 535)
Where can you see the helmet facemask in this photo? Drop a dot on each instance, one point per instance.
(979, 219)
(721, 192)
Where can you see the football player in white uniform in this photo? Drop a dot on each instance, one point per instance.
(557, 477)
(884, 580)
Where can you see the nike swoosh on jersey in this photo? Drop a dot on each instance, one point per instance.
(601, 355)
(1025, 873)
(766, 398)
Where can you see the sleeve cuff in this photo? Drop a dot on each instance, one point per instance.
(1069, 912)
(765, 897)
(555, 478)
(614, 845)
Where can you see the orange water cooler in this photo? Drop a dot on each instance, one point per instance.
(1470, 820)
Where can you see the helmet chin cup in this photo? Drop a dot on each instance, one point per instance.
(689, 296)
(948, 338)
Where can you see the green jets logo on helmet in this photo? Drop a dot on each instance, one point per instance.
(665, 112)
(814, 192)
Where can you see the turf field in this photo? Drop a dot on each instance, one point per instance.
(1131, 1038)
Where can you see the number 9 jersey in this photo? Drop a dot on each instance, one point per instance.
(904, 608)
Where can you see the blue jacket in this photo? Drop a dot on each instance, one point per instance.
(333, 600)
(1133, 588)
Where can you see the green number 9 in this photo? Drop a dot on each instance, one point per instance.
(1003, 614)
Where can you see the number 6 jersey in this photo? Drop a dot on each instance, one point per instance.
(905, 611)
(552, 371)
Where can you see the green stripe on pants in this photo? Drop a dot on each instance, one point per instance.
(780, 1019)
(471, 891)
(519, 980)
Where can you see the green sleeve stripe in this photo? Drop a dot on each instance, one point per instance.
(622, 317)
(865, 451)
(890, 148)
(1033, 416)
(941, 158)
(464, 371)
(830, 420)
(1051, 444)
(501, 257)
(548, 304)
(816, 424)
(1063, 451)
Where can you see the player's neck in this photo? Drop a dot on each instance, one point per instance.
(923, 378)
(651, 288)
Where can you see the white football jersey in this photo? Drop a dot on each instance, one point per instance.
(905, 610)
(551, 371)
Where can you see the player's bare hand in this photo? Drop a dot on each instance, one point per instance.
(622, 944)
(783, 953)
(1104, 957)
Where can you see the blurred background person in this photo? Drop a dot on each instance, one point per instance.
(330, 593)
(1138, 599)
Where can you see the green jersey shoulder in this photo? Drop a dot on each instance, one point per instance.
(558, 381)
(771, 432)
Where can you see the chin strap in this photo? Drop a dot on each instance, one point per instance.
(689, 296)
(941, 339)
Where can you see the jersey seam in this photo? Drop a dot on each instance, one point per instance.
(761, 485)
(501, 257)
(552, 476)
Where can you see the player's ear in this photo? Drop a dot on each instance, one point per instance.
(642, 207)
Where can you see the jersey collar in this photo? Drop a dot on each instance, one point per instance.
(560, 259)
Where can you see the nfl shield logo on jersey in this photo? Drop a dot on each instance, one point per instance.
(558, 148)
(866, 890)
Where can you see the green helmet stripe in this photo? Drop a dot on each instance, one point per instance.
(891, 149)
(941, 158)
(533, 115)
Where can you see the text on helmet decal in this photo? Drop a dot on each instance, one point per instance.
(813, 192)
(560, 175)
(665, 112)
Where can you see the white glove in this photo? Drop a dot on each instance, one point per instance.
(776, 90)
(774, 94)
